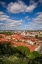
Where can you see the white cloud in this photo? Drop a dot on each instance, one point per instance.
(30, 8)
(3, 4)
(32, 1)
(25, 25)
(15, 23)
(38, 18)
(40, 1)
(36, 22)
(9, 22)
(0, 23)
(17, 7)
(1, 13)
(27, 18)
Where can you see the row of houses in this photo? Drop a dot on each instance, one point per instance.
(19, 39)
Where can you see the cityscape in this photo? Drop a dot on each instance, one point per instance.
(20, 31)
(33, 40)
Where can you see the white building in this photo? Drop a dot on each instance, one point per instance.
(30, 42)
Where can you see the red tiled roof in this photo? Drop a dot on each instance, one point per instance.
(31, 48)
(17, 37)
(2, 40)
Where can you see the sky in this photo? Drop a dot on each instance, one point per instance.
(20, 14)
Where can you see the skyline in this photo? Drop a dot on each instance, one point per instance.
(21, 15)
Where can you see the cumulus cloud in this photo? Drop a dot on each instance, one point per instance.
(38, 19)
(3, 4)
(7, 22)
(1, 13)
(20, 6)
(1, 24)
(25, 25)
(36, 22)
(40, 1)
(27, 18)
(32, 1)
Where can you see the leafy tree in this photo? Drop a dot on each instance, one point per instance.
(24, 50)
(36, 36)
(36, 54)
(35, 58)
(18, 55)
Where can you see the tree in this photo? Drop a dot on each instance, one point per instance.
(36, 36)
(36, 54)
(35, 58)
(24, 50)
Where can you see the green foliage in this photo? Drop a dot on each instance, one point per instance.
(36, 36)
(36, 54)
(31, 56)
(6, 33)
(24, 50)
(18, 55)
(6, 49)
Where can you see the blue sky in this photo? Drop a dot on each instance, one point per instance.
(20, 14)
